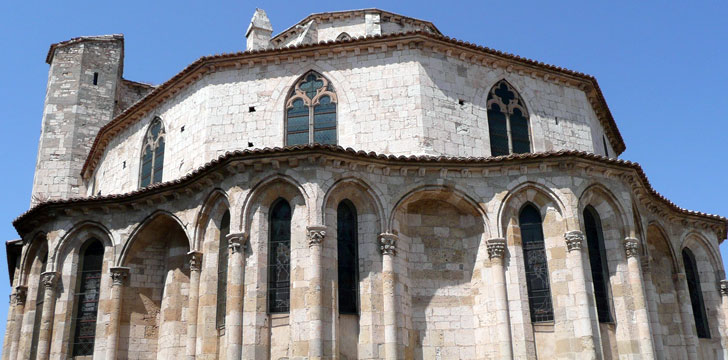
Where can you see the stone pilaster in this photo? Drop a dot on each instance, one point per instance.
(586, 327)
(387, 245)
(49, 280)
(639, 303)
(315, 235)
(118, 277)
(195, 259)
(234, 304)
(18, 299)
(496, 253)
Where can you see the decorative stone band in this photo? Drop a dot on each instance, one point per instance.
(574, 240)
(21, 292)
(49, 279)
(723, 287)
(195, 258)
(118, 274)
(631, 247)
(315, 234)
(387, 243)
(496, 248)
(237, 242)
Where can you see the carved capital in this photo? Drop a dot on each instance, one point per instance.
(195, 258)
(49, 279)
(496, 248)
(20, 294)
(118, 274)
(723, 287)
(388, 243)
(315, 234)
(237, 242)
(632, 247)
(574, 240)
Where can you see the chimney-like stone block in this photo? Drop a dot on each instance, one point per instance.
(259, 31)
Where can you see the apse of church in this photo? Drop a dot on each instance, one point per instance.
(358, 186)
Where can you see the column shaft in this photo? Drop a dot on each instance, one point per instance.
(641, 318)
(49, 280)
(234, 298)
(387, 246)
(18, 311)
(316, 236)
(586, 328)
(496, 253)
(195, 259)
(118, 274)
(683, 298)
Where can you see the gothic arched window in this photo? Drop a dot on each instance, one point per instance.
(152, 154)
(222, 266)
(279, 257)
(87, 298)
(598, 262)
(507, 121)
(348, 258)
(537, 270)
(311, 111)
(696, 294)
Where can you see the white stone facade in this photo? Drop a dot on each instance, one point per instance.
(442, 271)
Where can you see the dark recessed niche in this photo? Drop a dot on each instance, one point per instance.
(96, 78)
(182, 129)
(123, 165)
(250, 144)
(557, 120)
(461, 102)
(251, 108)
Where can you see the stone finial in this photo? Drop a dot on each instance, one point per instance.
(259, 31)
(237, 242)
(724, 287)
(49, 279)
(574, 240)
(118, 274)
(496, 248)
(631, 247)
(315, 234)
(20, 294)
(387, 243)
(195, 258)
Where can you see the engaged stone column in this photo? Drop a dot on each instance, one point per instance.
(723, 286)
(641, 316)
(316, 235)
(19, 297)
(234, 298)
(496, 253)
(387, 243)
(195, 258)
(686, 308)
(584, 326)
(118, 275)
(49, 280)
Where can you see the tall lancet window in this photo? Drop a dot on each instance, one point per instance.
(537, 270)
(153, 154)
(347, 259)
(507, 121)
(311, 111)
(87, 298)
(222, 266)
(696, 294)
(598, 262)
(279, 258)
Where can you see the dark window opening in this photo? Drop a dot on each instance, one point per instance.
(222, 266)
(311, 111)
(251, 108)
(696, 294)
(279, 257)
(507, 121)
(152, 164)
(96, 78)
(348, 258)
(461, 102)
(598, 262)
(606, 149)
(537, 271)
(182, 129)
(87, 299)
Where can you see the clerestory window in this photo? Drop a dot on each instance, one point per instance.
(507, 121)
(87, 298)
(696, 294)
(537, 269)
(311, 111)
(153, 154)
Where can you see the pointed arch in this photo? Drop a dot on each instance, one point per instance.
(152, 156)
(528, 192)
(374, 196)
(255, 197)
(279, 257)
(77, 235)
(692, 276)
(598, 262)
(216, 203)
(530, 222)
(311, 111)
(142, 225)
(508, 121)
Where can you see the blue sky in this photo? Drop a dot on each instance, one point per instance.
(662, 67)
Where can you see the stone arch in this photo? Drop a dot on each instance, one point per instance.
(37, 244)
(216, 203)
(542, 197)
(82, 230)
(693, 240)
(609, 208)
(659, 233)
(260, 190)
(364, 189)
(143, 224)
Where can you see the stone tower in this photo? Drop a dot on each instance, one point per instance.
(80, 99)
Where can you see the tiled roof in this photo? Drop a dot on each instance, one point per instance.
(368, 156)
(187, 76)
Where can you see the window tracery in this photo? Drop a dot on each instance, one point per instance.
(507, 121)
(311, 111)
(348, 258)
(279, 258)
(598, 263)
(537, 271)
(87, 299)
(696, 294)
(153, 154)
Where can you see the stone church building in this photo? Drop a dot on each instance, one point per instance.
(358, 186)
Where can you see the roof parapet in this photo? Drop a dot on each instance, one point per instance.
(259, 31)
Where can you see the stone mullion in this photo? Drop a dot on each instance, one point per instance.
(195, 258)
(316, 235)
(19, 298)
(586, 327)
(496, 253)
(234, 297)
(49, 281)
(118, 275)
(640, 311)
(387, 245)
(686, 309)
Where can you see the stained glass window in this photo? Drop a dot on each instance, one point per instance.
(696, 294)
(507, 121)
(153, 154)
(347, 259)
(279, 257)
(311, 111)
(537, 270)
(598, 262)
(87, 298)
(222, 266)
